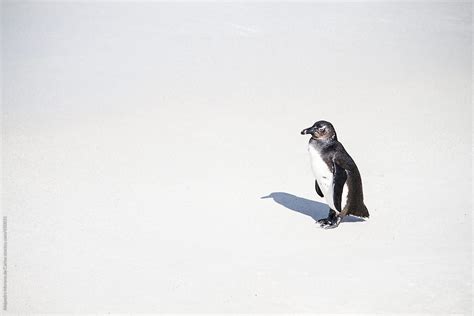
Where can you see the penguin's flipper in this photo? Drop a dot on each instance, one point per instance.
(318, 190)
(339, 179)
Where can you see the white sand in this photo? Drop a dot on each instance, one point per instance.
(139, 139)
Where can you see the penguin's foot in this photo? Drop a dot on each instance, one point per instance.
(329, 223)
(328, 220)
(324, 221)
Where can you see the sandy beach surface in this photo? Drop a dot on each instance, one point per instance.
(152, 159)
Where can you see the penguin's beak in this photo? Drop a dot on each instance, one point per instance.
(309, 130)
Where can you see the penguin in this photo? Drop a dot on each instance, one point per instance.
(337, 177)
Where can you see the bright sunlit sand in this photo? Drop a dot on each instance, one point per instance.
(153, 162)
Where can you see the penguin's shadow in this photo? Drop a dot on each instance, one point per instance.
(315, 210)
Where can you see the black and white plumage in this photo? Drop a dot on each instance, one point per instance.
(337, 176)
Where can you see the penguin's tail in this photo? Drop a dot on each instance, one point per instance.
(360, 211)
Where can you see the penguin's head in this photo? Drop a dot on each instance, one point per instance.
(321, 130)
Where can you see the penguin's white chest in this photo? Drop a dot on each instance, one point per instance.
(323, 175)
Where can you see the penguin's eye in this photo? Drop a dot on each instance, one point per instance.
(321, 129)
